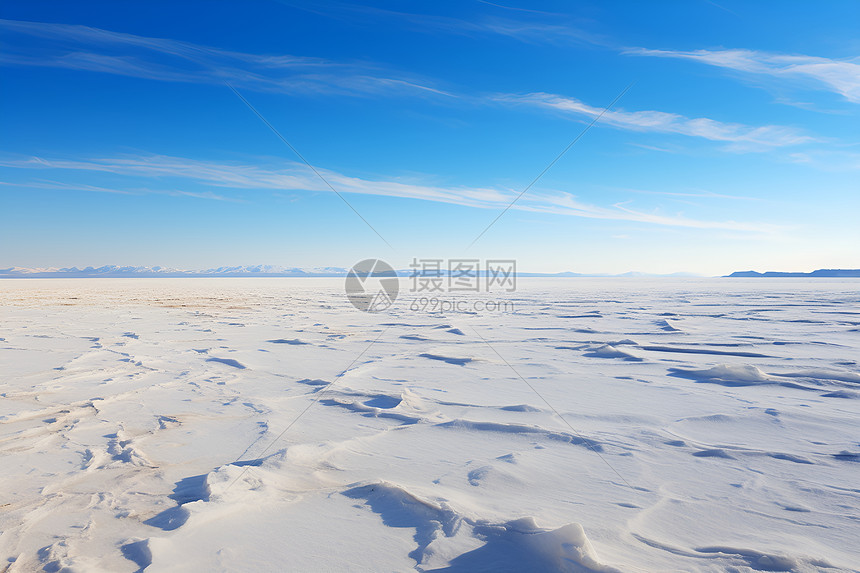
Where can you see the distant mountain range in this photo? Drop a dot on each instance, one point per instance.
(114, 271)
(839, 273)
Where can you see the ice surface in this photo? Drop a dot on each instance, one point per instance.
(709, 425)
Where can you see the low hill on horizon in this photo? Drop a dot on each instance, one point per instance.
(837, 273)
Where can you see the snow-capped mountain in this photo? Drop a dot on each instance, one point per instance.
(115, 271)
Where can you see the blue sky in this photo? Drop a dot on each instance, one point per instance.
(735, 146)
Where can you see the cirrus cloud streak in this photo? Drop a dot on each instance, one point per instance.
(741, 137)
(171, 171)
(839, 76)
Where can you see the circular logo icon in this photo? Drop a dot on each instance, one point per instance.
(372, 285)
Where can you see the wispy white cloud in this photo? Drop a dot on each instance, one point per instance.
(491, 19)
(519, 9)
(828, 159)
(739, 136)
(58, 186)
(161, 59)
(93, 49)
(540, 32)
(64, 186)
(839, 76)
(692, 194)
(297, 177)
(567, 204)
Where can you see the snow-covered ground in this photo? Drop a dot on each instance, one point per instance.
(706, 425)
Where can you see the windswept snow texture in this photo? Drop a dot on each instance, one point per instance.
(709, 425)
